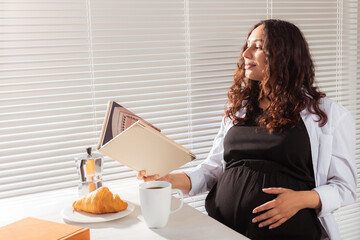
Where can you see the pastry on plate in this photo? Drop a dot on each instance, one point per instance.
(101, 200)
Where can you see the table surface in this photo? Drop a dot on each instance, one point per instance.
(187, 223)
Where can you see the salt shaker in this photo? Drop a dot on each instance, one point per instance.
(89, 167)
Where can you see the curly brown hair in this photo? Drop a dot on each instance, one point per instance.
(291, 91)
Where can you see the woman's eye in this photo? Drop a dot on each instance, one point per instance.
(259, 47)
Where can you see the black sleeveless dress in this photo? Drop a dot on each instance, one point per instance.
(256, 159)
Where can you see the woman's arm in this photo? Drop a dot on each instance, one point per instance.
(338, 178)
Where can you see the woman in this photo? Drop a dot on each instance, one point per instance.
(283, 160)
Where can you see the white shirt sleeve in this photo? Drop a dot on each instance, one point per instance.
(340, 186)
(205, 175)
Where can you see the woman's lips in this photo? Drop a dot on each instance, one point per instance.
(248, 66)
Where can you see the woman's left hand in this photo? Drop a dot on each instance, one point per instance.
(279, 210)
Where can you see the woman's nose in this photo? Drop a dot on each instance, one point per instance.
(247, 53)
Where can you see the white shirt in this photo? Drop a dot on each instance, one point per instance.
(333, 157)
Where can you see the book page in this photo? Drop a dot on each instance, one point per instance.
(120, 119)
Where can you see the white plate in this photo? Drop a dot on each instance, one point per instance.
(68, 213)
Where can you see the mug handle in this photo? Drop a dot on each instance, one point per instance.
(182, 200)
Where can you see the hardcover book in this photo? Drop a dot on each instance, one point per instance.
(137, 144)
(38, 229)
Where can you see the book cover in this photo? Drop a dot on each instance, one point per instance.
(137, 144)
(37, 229)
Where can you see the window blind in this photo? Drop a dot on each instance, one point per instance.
(46, 111)
(139, 60)
(171, 62)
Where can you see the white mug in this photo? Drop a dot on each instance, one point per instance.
(155, 200)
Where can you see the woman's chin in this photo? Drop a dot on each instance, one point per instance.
(252, 77)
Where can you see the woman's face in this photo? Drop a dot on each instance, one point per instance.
(254, 56)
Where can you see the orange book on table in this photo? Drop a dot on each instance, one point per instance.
(38, 229)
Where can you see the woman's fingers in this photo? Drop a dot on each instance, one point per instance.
(274, 190)
(278, 223)
(271, 218)
(266, 206)
(266, 216)
(151, 178)
(141, 175)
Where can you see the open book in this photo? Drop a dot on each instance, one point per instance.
(135, 143)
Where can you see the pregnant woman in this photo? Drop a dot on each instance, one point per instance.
(283, 160)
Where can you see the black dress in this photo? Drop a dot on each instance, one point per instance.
(256, 159)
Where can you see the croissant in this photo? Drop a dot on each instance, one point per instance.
(101, 200)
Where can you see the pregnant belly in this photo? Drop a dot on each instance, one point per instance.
(236, 194)
(239, 190)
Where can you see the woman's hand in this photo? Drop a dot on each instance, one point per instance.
(178, 180)
(141, 176)
(284, 206)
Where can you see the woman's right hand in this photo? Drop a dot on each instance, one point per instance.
(178, 180)
(142, 173)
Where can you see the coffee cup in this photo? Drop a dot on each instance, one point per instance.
(155, 200)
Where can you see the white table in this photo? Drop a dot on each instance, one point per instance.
(188, 223)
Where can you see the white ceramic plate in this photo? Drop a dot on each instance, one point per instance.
(68, 213)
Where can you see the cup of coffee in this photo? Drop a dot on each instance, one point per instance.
(155, 200)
